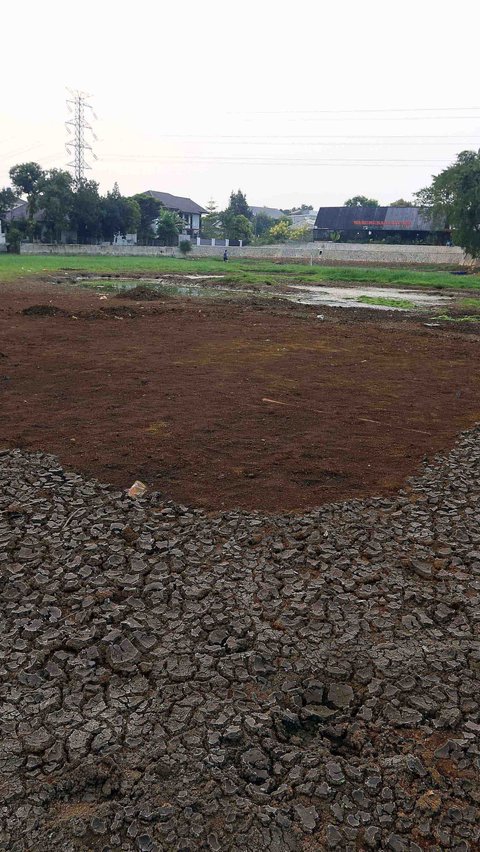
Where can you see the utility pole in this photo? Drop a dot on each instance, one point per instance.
(79, 127)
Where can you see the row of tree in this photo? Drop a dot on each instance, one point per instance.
(66, 206)
(452, 200)
(56, 206)
(363, 201)
(238, 222)
(453, 197)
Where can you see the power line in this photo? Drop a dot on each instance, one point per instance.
(294, 117)
(267, 161)
(315, 142)
(23, 151)
(249, 136)
(362, 111)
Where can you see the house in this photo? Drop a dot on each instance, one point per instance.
(188, 210)
(302, 218)
(272, 212)
(20, 211)
(378, 224)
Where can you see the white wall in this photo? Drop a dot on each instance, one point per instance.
(325, 253)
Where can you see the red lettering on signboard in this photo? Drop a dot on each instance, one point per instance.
(404, 223)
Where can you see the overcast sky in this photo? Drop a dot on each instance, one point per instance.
(292, 102)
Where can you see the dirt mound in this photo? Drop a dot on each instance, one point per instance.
(44, 311)
(141, 294)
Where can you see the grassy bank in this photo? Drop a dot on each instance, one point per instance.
(240, 271)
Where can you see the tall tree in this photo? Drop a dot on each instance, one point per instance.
(117, 214)
(261, 223)
(454, 198)
(86, 214)
(238, 205)
(236, 227)
(211, 224)
(55, 199)
(132, 215)
(26, 178)
(149, 212)
(361, 201)
(8, 199)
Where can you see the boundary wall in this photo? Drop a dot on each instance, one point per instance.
(325, 253)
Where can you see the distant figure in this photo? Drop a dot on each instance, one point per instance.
(225, 255)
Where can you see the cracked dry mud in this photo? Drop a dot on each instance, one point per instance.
(178, 680)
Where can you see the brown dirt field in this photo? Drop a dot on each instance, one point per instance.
(231, 405)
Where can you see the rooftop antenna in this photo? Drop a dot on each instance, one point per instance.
(78, 125)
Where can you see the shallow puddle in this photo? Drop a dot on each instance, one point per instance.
(378, 298)
(193, 286)
(166, 287)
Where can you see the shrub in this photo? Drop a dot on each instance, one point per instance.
(14, 237)
(185, 247)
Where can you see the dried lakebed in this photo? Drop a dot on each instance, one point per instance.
(180, 680)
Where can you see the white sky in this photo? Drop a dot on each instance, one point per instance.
(198, 98)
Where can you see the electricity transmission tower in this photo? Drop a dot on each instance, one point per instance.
(79, 127)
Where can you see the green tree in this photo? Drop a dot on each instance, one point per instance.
(302, 234)
(262, 223)
(120, 215)
(361, 201)
(211, 224)
(8, 199)
(238, 204)
(169, 226)
(280, 232)
(55, 200)
(236, 227)
(304, 208)
(149, 213)
(402, 203)
(454, 198)
(26, 179)
(132, 215)
(14, 238)
(86, 213)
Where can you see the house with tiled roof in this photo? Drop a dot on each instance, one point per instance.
(188, 210)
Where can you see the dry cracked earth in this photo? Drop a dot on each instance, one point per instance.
(178, 680)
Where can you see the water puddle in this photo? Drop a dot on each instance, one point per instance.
(378, 298)
(195, 286)
(166, 287)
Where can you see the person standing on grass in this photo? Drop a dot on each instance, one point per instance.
(225, 255)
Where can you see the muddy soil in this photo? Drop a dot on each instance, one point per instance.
(228, 405)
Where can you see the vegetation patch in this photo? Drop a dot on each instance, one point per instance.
(469, 303)
(385, 302)
(246, 272)
(448, 318)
